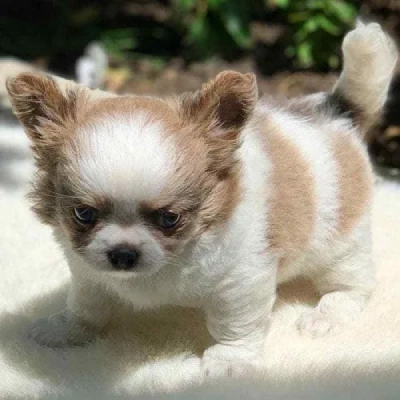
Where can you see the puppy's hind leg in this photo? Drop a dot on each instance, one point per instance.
(345, 286)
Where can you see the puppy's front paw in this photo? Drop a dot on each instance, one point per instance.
(316, 324)
(221, 361)
(61, 330)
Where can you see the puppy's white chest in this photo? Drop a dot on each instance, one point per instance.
(169, 288)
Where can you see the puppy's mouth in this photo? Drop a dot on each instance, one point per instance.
(109, 271)
(138, 274)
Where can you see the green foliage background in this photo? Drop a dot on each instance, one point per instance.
(193, 29)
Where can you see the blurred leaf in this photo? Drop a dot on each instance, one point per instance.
(290, 51)
(316, 4)
(333, 61)
(214, 4)
(305, 30)
(237, 29)
(187, 4)
(296, 17)
(317, 27)
(117, 41)
(281, 3)
(327, 25)
(305, 54)
(197, 30)
(345, 11)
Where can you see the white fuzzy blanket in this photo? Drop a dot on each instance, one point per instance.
(155, 352)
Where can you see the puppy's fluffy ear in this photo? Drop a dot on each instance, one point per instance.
(47, 116)
(221, 109)
(41, 107)
(228, 100)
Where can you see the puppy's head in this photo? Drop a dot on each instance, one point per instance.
(133, 182)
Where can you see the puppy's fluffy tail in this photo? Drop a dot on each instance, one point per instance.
(369, 59)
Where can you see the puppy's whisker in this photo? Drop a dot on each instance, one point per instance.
(175, 257)
(58, 195)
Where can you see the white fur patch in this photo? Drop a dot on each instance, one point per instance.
(126, 158)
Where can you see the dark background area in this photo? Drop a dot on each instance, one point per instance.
(170, 46)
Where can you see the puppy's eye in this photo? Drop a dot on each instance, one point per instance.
(85, 215)
(166, 219)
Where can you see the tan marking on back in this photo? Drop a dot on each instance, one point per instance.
(354, 180)
(291, 199)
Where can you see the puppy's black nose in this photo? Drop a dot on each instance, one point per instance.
(123, 257)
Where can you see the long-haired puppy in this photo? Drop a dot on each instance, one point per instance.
(210, 199)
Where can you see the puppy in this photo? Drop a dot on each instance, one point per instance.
(210, 199)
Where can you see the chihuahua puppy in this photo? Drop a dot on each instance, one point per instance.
(210, 199)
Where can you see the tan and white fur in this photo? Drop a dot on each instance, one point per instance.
(266, 193)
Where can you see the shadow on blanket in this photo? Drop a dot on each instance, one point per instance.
(132, 340)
